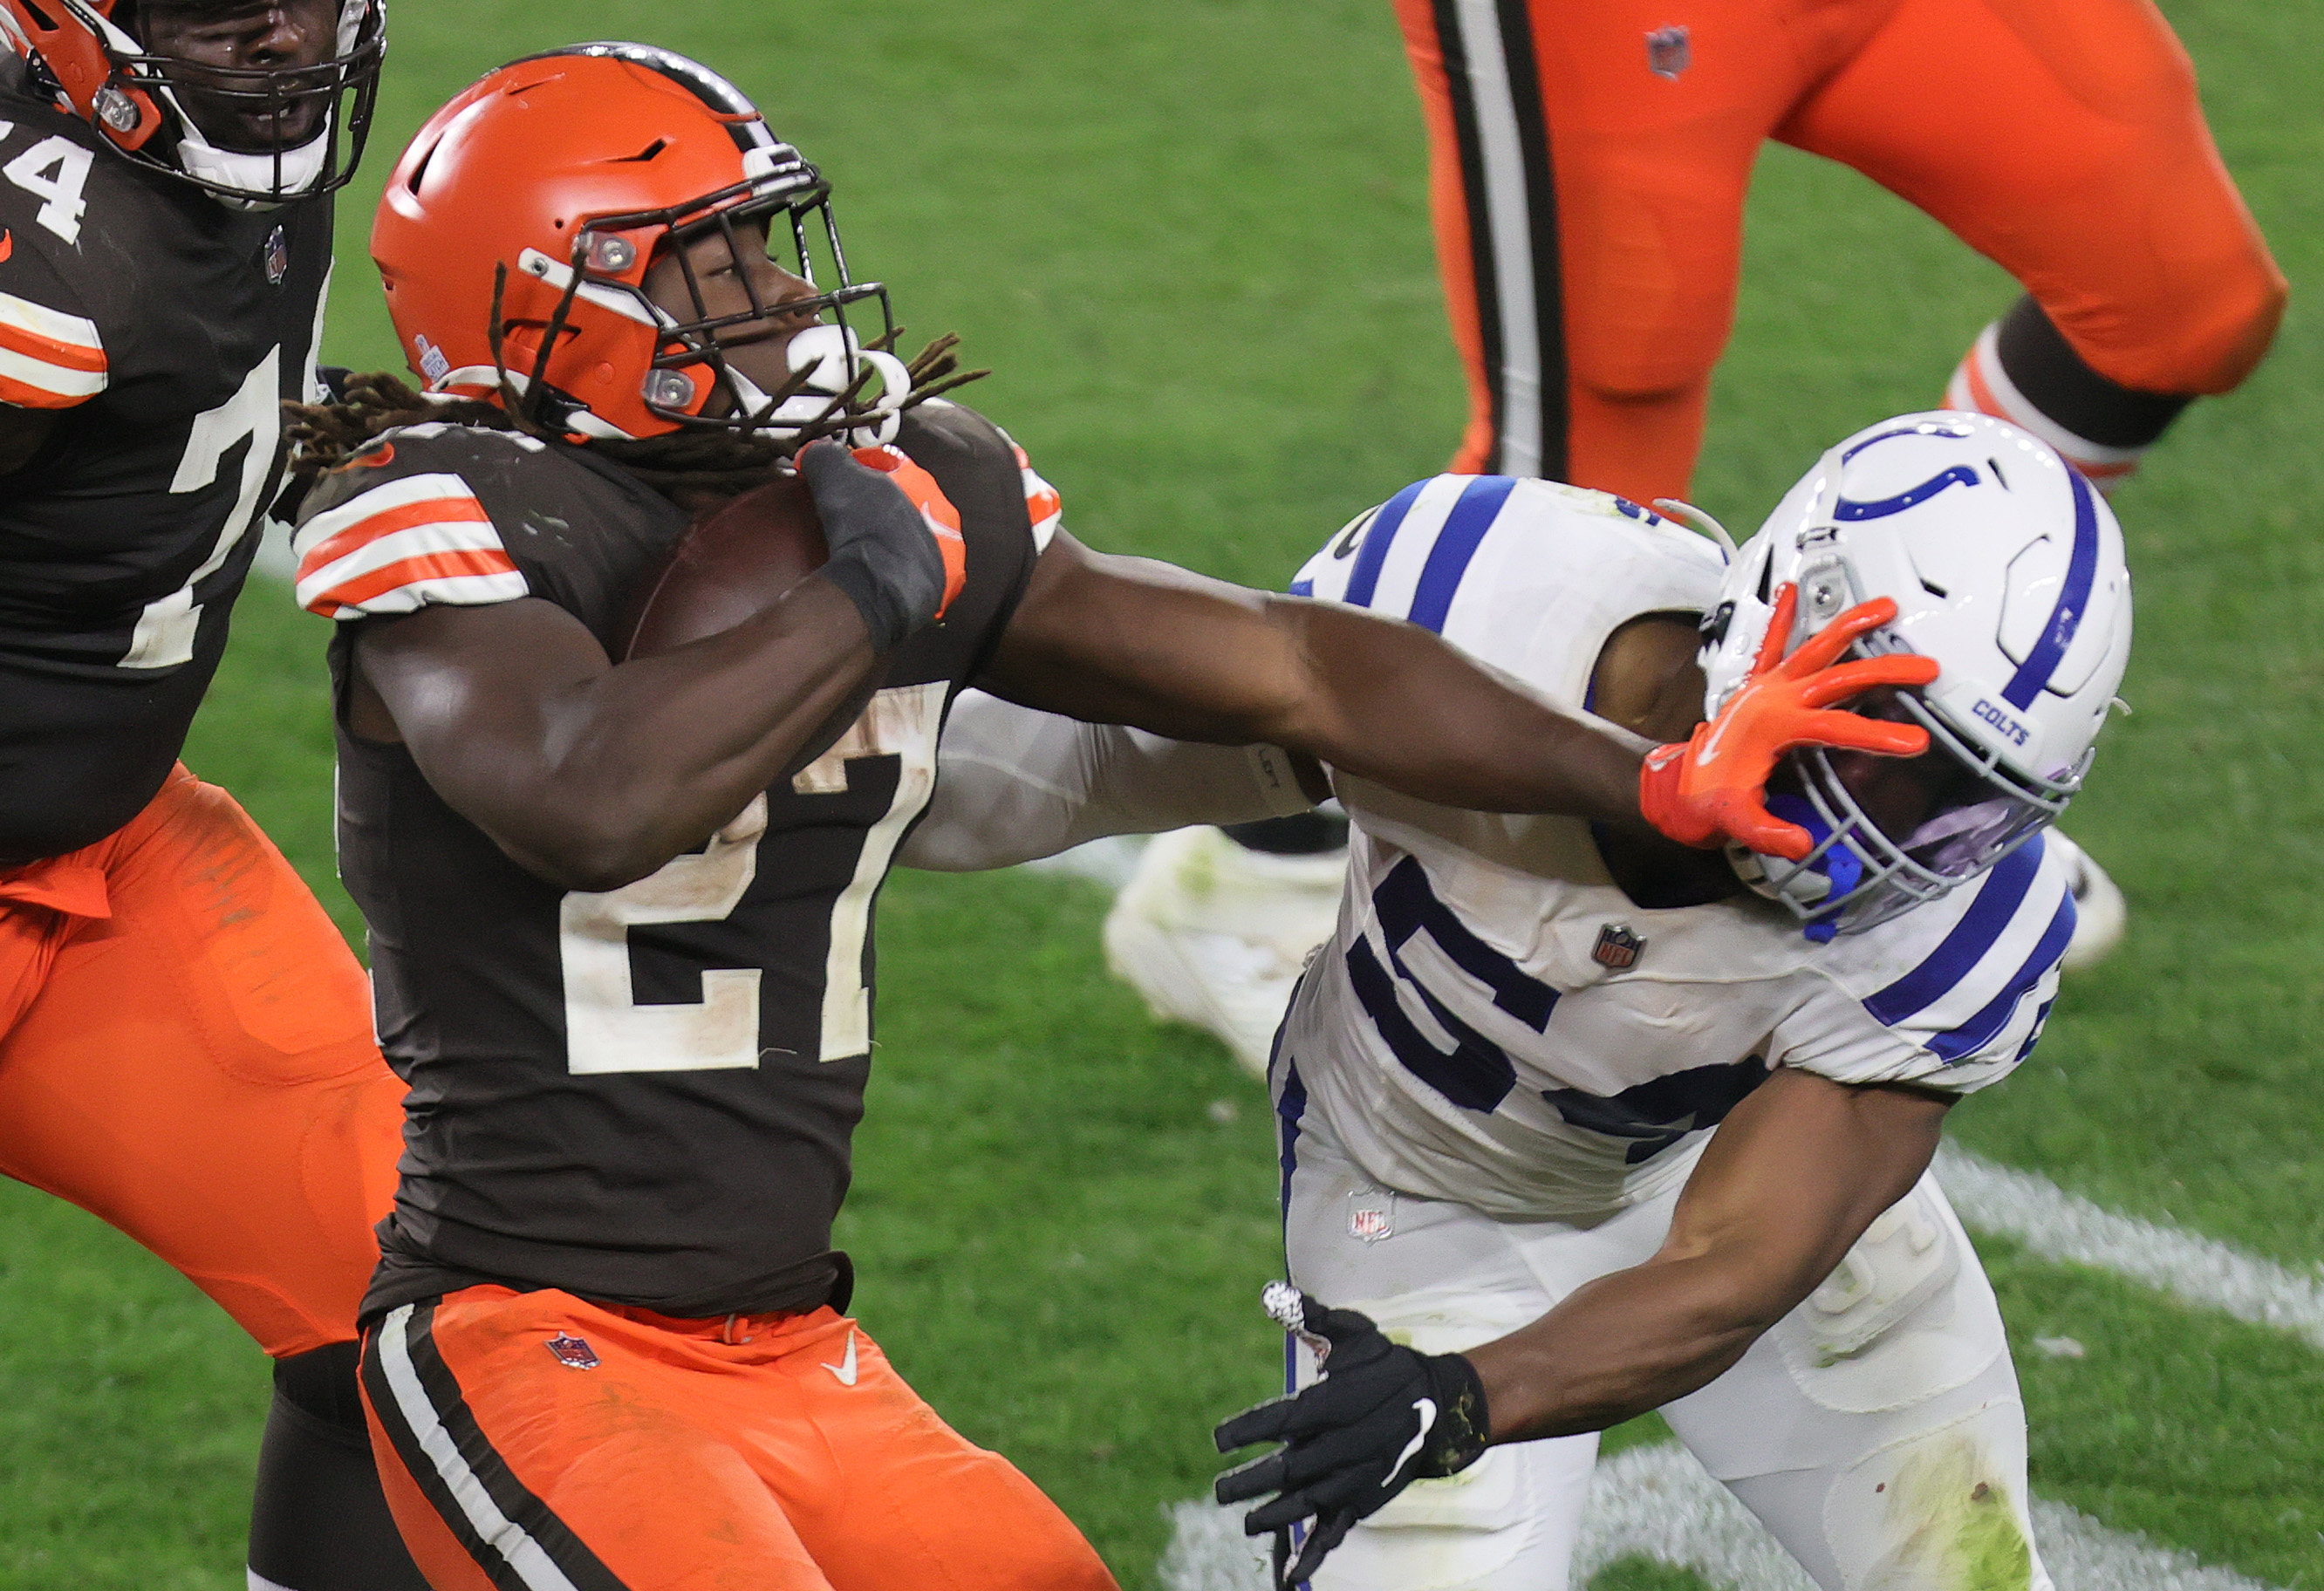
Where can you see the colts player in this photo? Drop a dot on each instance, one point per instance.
(1588, 166)
(184, 1043)
(1499, 1084)
(620, 908)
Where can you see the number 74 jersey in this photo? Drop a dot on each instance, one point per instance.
(642, 1095)
(157, 333)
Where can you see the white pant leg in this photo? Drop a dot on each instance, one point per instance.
(1441, 1277)
(1877, 1429)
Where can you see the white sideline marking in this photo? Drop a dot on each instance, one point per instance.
(2060, 1226)
(1657, 1502)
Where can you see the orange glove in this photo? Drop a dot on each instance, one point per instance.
(935, 508)
(1711, 790)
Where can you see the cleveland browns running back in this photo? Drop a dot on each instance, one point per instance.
(620, 906)
(183, 1043)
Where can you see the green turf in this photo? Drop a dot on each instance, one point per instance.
(1192, 242)
(2197, 1429)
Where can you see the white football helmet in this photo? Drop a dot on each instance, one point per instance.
(2005, 567)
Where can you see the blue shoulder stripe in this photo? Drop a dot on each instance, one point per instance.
(1973, 937)
(1373, 555)
(1979, 1030)
(1440, 578)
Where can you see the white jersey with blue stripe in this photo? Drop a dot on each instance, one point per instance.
(1495, 1022)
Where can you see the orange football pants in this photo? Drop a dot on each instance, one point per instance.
(535, 1440)
(1588, 208)
(186, 1052)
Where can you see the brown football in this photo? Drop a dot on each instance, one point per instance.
(730, 566)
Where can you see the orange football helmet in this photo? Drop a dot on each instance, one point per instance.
(516, 233)
(86, 52)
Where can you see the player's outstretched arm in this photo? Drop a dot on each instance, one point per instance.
(1127, 640)
(1788, 1183)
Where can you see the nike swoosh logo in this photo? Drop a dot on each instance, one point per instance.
(845, 1369)
(7, 242)
(1426, 1409)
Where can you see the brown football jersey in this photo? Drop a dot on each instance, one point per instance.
(645, 1095)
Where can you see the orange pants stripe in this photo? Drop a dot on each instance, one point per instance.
(1589, 208)
(532, 1441)
(186, 1052)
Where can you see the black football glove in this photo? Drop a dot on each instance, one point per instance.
(1381, 1418)
(881, 553)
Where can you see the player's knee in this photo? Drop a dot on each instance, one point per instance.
(1645, 376)
(1954, 1495)
(2202, 335)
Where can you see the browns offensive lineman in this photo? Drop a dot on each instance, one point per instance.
(184, 1048)
(620, 910)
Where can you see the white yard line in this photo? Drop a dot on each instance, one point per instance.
(2060, 1226)
(1657, 1502)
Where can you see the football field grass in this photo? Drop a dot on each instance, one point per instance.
(1191, 240)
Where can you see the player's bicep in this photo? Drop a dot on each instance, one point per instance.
(1119, 640)
(1794, 1175)
(472, 693)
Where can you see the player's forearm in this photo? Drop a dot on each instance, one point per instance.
(1791, 1180)
(1394, 703)
(659, 751)
(1624, 1344)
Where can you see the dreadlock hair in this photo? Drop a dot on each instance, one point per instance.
(685, 466)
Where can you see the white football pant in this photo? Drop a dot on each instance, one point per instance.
(1876, 1431)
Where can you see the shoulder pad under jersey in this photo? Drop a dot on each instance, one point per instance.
(1953, 994)
(1513, 571)
(400, 525)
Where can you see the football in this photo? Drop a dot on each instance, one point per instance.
(730, 565)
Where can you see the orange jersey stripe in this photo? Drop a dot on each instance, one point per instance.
(433, 510)
(443, 566)
(32, 344)
(23, 397)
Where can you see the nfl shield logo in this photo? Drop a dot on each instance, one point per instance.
(277, 258)
(573, 1353)
(1371, 1215)
(1668, 52)
(1618, 948)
